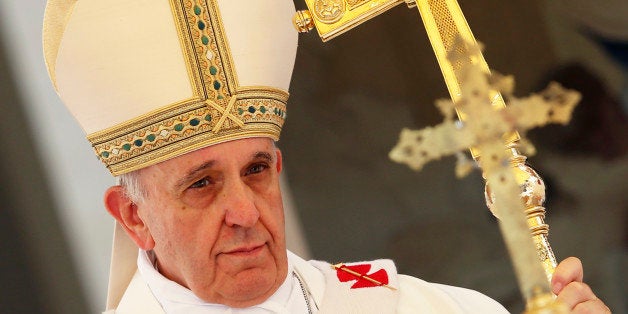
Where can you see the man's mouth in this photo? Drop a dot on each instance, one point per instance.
(246, 250)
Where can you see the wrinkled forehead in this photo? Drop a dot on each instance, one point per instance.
(232, 153)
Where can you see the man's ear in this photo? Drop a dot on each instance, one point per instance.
(120, 206)
(279, 160)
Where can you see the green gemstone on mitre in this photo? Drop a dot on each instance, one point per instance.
(197, 10)
(213, 70)
(205, 40)
(201, 25)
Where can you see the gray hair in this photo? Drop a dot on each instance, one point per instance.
(132, 186)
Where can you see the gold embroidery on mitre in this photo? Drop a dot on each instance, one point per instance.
(225, 113)
(219, 111)
(187, 126)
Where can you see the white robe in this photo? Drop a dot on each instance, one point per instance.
(412, 295)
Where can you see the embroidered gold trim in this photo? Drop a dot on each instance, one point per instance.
(192, 144)
(223, 47)
(151, 134)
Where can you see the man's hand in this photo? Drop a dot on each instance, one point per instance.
(576, 295)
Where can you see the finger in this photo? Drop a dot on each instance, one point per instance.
(575, 293)
(592, 306)
(567, 271)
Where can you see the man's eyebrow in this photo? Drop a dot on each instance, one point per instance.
(190, 175)
(263, 155)
(193, 172)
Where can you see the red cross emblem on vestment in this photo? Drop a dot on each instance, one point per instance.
(360, 273)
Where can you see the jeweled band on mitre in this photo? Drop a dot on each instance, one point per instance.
(187, 126)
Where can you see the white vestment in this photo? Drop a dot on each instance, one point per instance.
(328, 294)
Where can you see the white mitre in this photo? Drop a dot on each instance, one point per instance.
(150, 80)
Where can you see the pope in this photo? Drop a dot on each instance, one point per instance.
(183, 101)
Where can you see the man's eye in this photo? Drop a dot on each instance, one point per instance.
(257, 168)
(200, 183)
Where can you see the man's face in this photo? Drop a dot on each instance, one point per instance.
(216, 218)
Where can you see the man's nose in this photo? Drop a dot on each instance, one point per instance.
(240, 205)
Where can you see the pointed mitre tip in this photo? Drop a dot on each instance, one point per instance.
(56, 18)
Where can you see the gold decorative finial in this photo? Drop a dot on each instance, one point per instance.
(411, 4)
(334, 17)
(302, 21)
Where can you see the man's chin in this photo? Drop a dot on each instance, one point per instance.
(248, 288)
(245, 280)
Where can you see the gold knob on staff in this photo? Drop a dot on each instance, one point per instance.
(533, 196)
(302, 21)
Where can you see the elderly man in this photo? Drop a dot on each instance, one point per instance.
(183, 100)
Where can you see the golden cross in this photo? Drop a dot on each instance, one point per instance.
(225, 113)
(513, 189)
(484, 125)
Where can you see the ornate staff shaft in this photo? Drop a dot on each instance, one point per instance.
(533, 196)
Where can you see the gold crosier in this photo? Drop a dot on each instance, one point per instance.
(509, 194)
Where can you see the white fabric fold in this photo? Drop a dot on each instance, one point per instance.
(175, 298)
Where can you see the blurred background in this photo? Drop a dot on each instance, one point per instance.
(349, 100)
